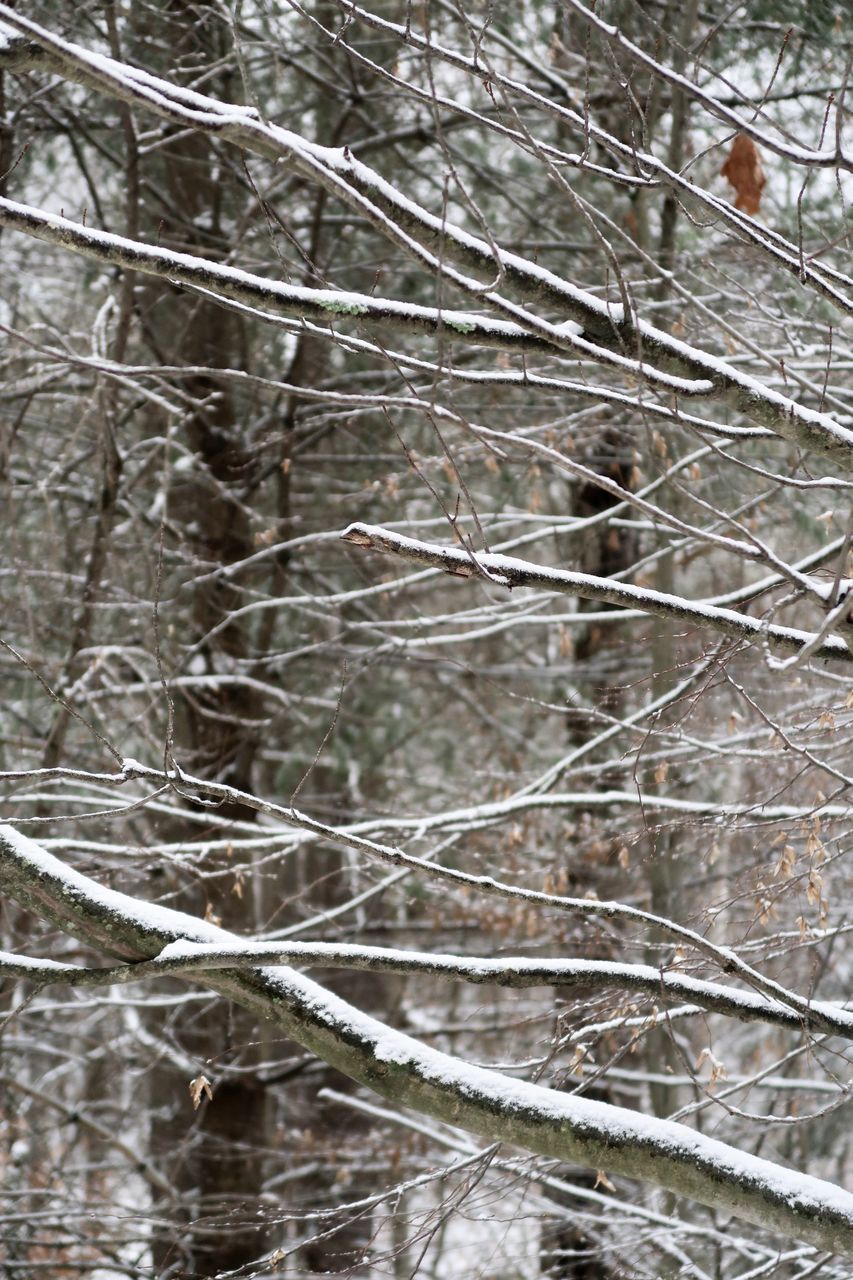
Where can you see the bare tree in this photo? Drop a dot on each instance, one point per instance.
(425, 438)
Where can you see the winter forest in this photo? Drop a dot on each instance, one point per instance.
(426, 640)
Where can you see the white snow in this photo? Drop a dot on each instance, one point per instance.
(146, 915)
(317, 1009)
(338, 302)
(616, 1126)
(478, 969)
(503, 569)
(37, 965)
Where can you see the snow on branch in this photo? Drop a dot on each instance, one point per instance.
(830, 158)
(297, 301)
(643, 167)
(510, 572)
(562, 1126)
(438, 245)
(811, 1015)
(512, 972)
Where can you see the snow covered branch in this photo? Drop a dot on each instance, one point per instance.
(513, 972)
(497, 284)
(604, 332)
(559, 1125)
(830, 158)
(506, 571)
(298, 302)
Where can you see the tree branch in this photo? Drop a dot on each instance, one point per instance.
(562, 1126)
(437, 244)
(517, 973)
(510, 572)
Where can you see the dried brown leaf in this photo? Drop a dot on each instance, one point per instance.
(743, 170)
(200, 1088)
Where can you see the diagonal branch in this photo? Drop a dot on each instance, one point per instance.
(437, 244)
(833, 158)
(297, 301)
(562, 1126)
(510, 572)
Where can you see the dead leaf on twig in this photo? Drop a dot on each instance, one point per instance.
(199, 1088)
(743, 170)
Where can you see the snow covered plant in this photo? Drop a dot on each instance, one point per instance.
(426, 641)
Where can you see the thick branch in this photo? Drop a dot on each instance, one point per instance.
(509, 572)
(435, 243)
(555, 1124)
(513, 972)
(295, 301)
(811, 1015)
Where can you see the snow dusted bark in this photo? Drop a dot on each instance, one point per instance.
(509, 572)
(589, 327)
(399, 1068)
(564, 271)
